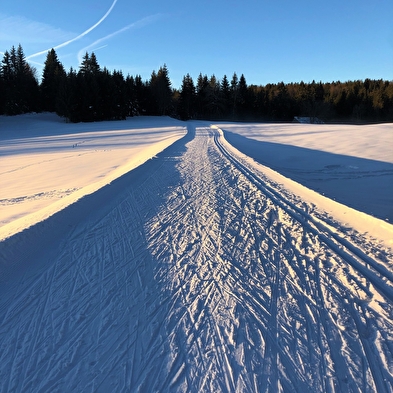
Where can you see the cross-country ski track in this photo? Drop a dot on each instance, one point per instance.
(197, 273)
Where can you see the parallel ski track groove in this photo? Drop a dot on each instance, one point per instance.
(348, 251)
(354, 256)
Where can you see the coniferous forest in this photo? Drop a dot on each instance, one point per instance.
(94, 93)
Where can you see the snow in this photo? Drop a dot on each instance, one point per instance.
(199, 270)
(379, 230)
(47, 164)
(350, 164)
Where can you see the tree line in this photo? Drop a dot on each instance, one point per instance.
(92, 93)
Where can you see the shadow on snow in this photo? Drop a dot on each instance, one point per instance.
(363, 184)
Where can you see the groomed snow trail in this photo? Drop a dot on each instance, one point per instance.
(200, 276)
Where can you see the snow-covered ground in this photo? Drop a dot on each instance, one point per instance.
(47, 164)
(200, 270)
(350, 164)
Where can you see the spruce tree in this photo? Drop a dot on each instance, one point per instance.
(9, 77)
(119, 99)
(160, 86)
(20, 86)
(89, 64)
(215, 107)
(202, 96)
(130, 92)
(234, 93)
(242, 104)
(52, 76)
(186, 107)
(90, 107)
(225, 95)
(6, 81)
(69, 96)
(142, 96)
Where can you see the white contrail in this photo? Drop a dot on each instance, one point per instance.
(78, 37)
(136, 25)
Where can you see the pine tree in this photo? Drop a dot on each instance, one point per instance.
(8, 75)
(130, 92)
(160, 87)
(202, 96)
(52, 76)
(165, 91)
(186, 107)
(119, 100)
(6, 81)
(90, 107)
(225, 95)
(67, 100)
(215, 107)
(20, 86)
(242, 98)
(89, 64)
(234, 93)
(142, 96)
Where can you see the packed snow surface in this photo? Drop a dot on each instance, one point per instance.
(199, 270)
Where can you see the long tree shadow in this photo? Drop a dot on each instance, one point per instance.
(363, 184)
(49, 124)
(40, 238)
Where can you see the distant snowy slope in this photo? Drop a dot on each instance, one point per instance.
(47, 164)
(347, 163)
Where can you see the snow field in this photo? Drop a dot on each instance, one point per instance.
(200, 270)
(46, 164)
(350, 164)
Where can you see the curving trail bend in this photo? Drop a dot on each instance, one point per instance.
(199, 275)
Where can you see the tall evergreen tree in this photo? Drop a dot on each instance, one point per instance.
(243, 103)
(89, 64)
(52, 76)
(186, 108)
(225, 95)
(215, 105)
(234, 93)
(119, 98)
(160, 87)
(20, 86)
(6, 78)
(68, 99)
(143, 93)
(202, 96)
(90, 107)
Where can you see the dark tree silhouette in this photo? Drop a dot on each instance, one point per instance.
(93, 94)
(19, 83)
(52, 76)
(186, 106)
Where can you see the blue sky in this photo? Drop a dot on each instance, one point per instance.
(267, 40)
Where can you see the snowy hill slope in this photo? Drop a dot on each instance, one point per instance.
(199, 270)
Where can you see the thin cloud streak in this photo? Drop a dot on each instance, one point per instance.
(78, 37)
(136, 25)
(20, 29)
